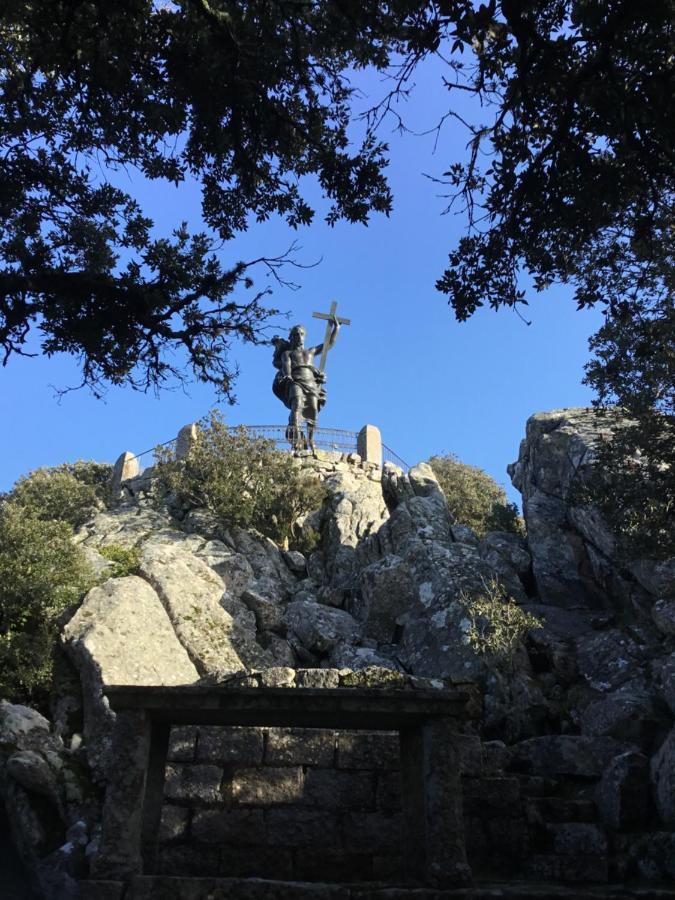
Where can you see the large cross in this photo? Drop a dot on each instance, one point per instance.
(329, 317)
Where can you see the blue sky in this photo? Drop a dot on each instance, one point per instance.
(404, 364)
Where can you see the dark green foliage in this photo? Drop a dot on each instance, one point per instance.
(41, 574)
(246, 97)
(246, 483)
(635, 367)
(56, 493)
(474, 498)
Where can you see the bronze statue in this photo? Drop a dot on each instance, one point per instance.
(299, 384)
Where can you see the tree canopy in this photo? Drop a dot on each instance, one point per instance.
(568, 174)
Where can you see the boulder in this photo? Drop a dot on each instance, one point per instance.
(121, 634)
(622, 796)
(565, 754)
(319, 628)
(191, 593)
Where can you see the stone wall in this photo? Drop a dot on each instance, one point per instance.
(313, 805)
(308, 804)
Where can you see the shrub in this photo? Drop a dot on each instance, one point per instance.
(42, 573)
(496, 623)
(474, 498)
(127, 560)
(245, 482)
(69, 493)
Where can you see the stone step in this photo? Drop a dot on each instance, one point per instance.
(174, 888)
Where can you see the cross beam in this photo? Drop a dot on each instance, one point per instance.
(329, 318)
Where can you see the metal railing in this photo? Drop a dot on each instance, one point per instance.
(338, 440)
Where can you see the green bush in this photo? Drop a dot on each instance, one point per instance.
(474, 498)
(245, 482)
(42, 573)
(69, 493)
(127, 560)
(496, 623)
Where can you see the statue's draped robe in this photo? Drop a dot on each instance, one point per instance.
(309, 379)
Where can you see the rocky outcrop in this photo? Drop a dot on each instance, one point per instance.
(581, 711)
(121, 634)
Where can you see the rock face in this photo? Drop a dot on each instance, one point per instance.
(576, 739)
(121, 634)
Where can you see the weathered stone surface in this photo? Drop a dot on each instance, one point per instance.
(273, 578)
(269, 614)
(565, 754)
(299, 747)
(126, 467)
(229, 826)
(182, 743)
(609, 658)
(663, 614)
(301, 828)
(505, 552)
(331, 789)
(174, 822)
(663, 779)
(231, 745)
(317, 678)
(186, 439)
(319, 628)
(373, 750)
(121, 634)
(623, 792)
(373, 832)
(191, 783)
(625, 714)
(268, 786)
(20, 726)
(232, 567)
(191, 593)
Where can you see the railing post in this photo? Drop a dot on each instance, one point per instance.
(369, 444)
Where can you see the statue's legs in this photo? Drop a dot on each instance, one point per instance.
(294, 431)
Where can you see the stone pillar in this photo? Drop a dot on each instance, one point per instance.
(186, 439)
(431, 789)
(369, 444)
(126, 467)
(120, 854)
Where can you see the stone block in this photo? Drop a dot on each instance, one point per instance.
(229, 826)
(300, 747)
(231, 745)
(264, 787)
(182, 742)
(126, 467)
(372, 832)
(470, 751)
(369, 444)
(388, 867)
(174, 821)
(193, 784)
(388, 794)
(301, 828)
(483, 795)
(317, 678)
(232, 862)
(580, 838)
(368, 750)
(96, 889)
(186, 439)
(331, 865)
(330, 789)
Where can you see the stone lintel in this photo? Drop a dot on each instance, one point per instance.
(369, 444)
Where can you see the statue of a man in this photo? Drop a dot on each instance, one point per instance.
(299, 384)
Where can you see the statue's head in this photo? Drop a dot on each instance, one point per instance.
(297, 336)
